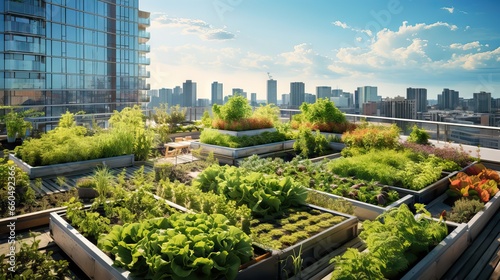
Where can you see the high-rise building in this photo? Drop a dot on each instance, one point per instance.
(482, 102)
(253, 99)
(367, 94)
(420, 97)
(398, 107)
(297, 94)
(188, 94)
(165, 96)
(448, 100)
(73, 55)
(337, 92)
(176, 96)
(272, 92)
(285, 100)
(324, 92)
(310, 98)
(217, 93)
(239, 91)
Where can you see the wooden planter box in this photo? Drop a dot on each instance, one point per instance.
(478, 222)
(98, 265)
(428, 193)
(317, 246)
(71, 167)
(246, 132)
(367, 211)
(435, 264)
(29, 220)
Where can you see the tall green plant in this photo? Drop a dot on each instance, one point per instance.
(236, 108)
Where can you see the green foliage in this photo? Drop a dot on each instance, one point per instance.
(206, 202)
(322, 111)
(103, 179)
(14, 182)
(236, 108)
(183, 246)
(391, 167)
(206, 120)
(264, 194)
(309, 144)
(394, 241)
(464, 209)
(269, 111)
(419, 136)
(34, 264)
(339, 205)
(367, 137)
(213, 137)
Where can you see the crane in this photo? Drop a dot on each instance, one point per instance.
(269, 75)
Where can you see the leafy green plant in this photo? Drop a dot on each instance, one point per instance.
(213, 137)
(369, 136)
(34, 264)
(183, 246)
(13, 182)
(309, 144)
(394, 242)
(236, 108)
(419, 136)
(464, 209)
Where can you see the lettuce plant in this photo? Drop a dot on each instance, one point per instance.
(183, 246)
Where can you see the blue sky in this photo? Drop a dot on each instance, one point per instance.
(391, 44)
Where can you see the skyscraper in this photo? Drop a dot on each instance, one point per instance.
(323, 92)
(253, 99)
(420, 97)
(297, 94)
(272, 92)
(448, 100)
(217, 93)
(366, 94)
(188, 94)
(482, 101)
(73, 55)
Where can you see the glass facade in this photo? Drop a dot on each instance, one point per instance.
(76, 55)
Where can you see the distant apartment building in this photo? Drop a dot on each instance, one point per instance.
(297, 94)
(189, 94)
(341, 101)
(366, 94)
(482, 102)
(370, 109)
(323, 92)
(177, 96)
(165, 96)
(73, 55)
(272, 92)
(285, 100)
(239, 91)
(448, 99)
(398, 107)
(253, 99)
(337, 92)
(203, 102)
(217, 93)
(420, 97)
(310, 98)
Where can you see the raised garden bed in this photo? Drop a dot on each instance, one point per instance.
(246, 132)
(29, 220)
(71, 167)
(311, 249)
(367, 211)
(236, 153)
(429, 193)
(98, 265)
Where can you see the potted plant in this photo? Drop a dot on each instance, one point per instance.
(86, 188)
(14, 123)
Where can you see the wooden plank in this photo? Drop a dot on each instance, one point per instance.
(469, 258)
(483, 269)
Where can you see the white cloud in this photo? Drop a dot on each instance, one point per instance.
(449, 9)
(467, 46)
(344, 25)
(197, 27)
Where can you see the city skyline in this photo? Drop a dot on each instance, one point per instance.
(392, 45)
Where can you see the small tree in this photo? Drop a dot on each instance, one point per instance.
(235, 109)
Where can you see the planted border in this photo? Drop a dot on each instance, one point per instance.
(71, 167)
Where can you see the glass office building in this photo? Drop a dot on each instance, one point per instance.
(76, 55)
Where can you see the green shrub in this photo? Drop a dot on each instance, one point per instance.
(309, 144)
(419, 136)
(14, 182)
(236, 108)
